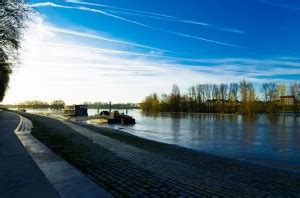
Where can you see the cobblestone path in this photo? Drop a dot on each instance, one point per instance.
(188, 178)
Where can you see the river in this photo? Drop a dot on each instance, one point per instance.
(262, 139)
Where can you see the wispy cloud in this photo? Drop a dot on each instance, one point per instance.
(45, 4)
(103, 50)
(93, 36)
(157, 16)
(149, 54)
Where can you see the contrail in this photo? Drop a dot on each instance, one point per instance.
(157, 16)
(119, 8)
(45, 4)
(76, 33)
(111, 15)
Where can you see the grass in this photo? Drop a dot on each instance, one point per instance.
(70, 145)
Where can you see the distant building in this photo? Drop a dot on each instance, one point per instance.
(288, 100)
(76, 110)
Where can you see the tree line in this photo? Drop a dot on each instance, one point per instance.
(38, 104)
(227, 98)
(103, 105)
(60, 104)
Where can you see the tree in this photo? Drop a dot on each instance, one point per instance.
(223, 93)
(273, 97)
(12, 17)
(192, 98)
(282, 89)
(233, 96)
(57, 104)
(265, 91)
(200, 96)
(248, 97)
(5, 71)
(243, 96)
(34, 104)
(273, 91)
(295, 89)
(175, 99)
(151, 103)
(252, 98)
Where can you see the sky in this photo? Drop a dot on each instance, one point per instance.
(123, 50)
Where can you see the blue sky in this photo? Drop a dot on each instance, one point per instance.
(130, 48)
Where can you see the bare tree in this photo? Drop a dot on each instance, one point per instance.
(175, 99)
(233, 91)
(265, 91)
(223, 94)
(294, 89)
(233, 95)
(243, 91)
(251, 98)
(192, 95)
(12, 16)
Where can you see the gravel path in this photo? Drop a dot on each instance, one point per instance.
(126, 165)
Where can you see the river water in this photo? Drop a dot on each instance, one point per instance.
(271, 141)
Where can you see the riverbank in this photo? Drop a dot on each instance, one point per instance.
(126, 165)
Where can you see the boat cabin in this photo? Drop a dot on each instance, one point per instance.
(76, 110)
(104, 113)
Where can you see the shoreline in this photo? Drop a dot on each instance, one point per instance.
(80, 152)
(123, 136)
(145, 143)
(148, 144)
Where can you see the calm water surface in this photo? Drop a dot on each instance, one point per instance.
(272, 141)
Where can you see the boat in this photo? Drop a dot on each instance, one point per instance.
(116, 118)
(21, 109)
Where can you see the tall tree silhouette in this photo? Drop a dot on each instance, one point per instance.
(12, 17)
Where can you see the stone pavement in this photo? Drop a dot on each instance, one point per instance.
(68, 181)
(19, 175)
(189, 180)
